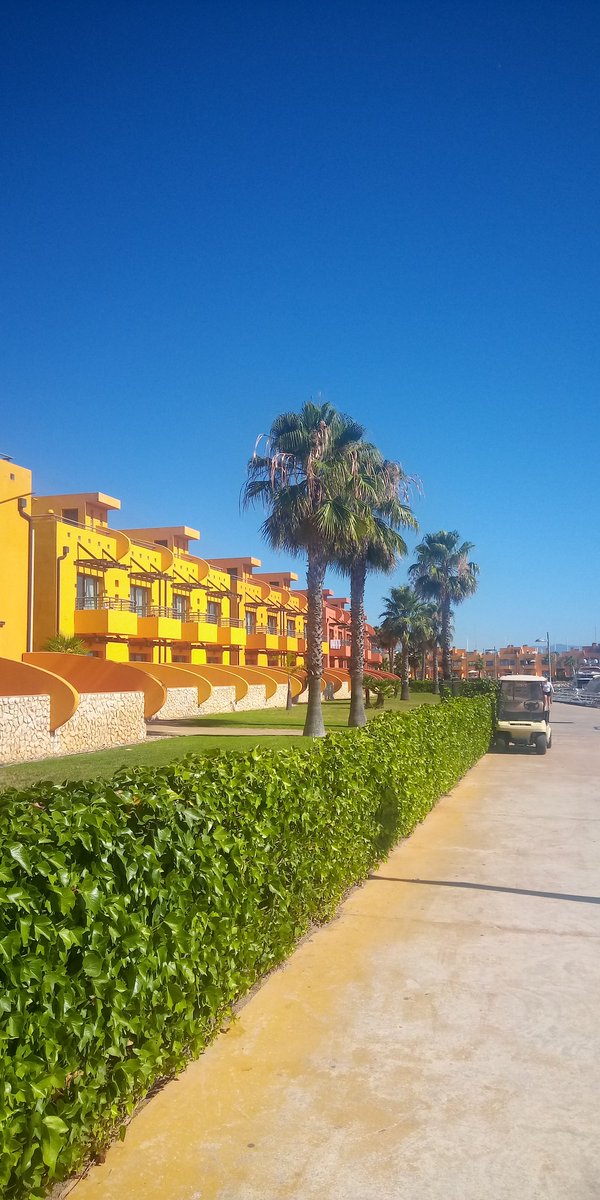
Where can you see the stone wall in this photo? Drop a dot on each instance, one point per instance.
(181, 702)
(279, 699)
(102, 719)
(24, 728)
(254, 700)
(221, 700)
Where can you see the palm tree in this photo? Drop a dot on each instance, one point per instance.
(387, 640)
(383, 689)
(62, 643)
(435, 635)
(444, 573)
(571, 663)
(302, 482)
(406, 619)
(378, 491)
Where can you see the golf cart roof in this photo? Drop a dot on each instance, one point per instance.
(522, 679)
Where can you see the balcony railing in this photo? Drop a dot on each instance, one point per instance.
(111, 602)
(162, 610)
(216, 619)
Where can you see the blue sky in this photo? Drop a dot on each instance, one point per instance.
(213, 211)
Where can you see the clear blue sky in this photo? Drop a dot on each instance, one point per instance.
(213, 211)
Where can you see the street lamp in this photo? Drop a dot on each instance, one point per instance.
(549, 659)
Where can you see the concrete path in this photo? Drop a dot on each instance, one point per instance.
(440, 1040)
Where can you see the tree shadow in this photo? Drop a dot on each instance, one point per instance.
(487, 887)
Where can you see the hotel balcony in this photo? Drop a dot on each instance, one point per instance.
(160, 622)
(261, 638)
(231, 632)
(105, 616)
(288, 644)
(208, 627)
(340, 647)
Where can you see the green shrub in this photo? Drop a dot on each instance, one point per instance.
(471, 687)
(135, 912)
(421, 685)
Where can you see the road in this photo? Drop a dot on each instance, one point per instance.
(440, 1040)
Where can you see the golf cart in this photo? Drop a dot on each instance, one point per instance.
(522, 717)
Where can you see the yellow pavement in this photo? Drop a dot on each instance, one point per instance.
(439, 1040)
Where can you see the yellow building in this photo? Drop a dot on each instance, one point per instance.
(15, 534)
(140, 595)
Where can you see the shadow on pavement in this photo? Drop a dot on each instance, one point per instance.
(488, 887)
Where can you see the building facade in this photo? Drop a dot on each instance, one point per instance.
(15, 535)
(141, 595)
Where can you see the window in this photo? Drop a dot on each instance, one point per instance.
(233, 572)
(139, 658)
(181, 606)
(291, 628)
(70, 514)
(213, 612)
(181, 658)
(140, 601)
(88, 591)
(271, 624)
(251, 622)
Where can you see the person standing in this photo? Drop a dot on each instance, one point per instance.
(548, 691)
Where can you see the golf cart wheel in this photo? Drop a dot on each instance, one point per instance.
(501, 743)
(550, 742)
(541, 744)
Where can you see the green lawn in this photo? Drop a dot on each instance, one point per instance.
(104, 763)
(335, 714)
(157, 752)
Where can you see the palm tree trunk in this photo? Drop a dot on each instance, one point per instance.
(405, 693)
(392, 658)
(315, 577)
(358, 575)
(436, 671)
(423, 661)
(446, 660)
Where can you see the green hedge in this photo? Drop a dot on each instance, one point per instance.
(421, 685)
(136, 911)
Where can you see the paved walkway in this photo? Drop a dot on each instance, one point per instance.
(439, 1041)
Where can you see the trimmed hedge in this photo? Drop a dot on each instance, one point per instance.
(421, 685)
(470, 687)
(135, 912)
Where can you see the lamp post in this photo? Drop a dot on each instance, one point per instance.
(549, 659)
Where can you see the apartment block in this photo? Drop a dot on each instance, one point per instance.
(142, 595)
